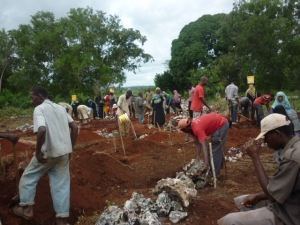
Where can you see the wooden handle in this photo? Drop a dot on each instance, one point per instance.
(16, 162)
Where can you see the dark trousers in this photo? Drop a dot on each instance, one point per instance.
(190, 111)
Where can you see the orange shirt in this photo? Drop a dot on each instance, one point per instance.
(206, 125)
(262, 101)
(197, 103)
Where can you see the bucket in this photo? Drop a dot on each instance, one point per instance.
(112, 90)
(74, 97)
(123, 118)
(250, 79)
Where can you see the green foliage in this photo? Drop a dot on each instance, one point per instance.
(81, 53)
(9, 111)
(166, 82)
(7, 98)
(196, 47)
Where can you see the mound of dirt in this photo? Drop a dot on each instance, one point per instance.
(102, 173)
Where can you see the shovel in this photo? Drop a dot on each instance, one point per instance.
(16, 199)
(240, 115)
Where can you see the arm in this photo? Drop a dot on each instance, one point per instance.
(252, 150)
(41, 136)
(250, 200)
(198, 146)
(11, 137)
(74, 132)
(205, 103)
(268, 108)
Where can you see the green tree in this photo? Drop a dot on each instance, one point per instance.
(165, 82)
(196, 47)
(82, 52)
(258, 33)
(6, 55)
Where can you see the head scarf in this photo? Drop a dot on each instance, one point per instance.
(251, 91)
(156, 96)
(285, 102)
(176, 96)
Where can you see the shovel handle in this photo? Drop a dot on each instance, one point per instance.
(16, 165)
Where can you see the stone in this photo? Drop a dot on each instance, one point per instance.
(130, 205)
(177, 216)
(179, 189)
(149, 218)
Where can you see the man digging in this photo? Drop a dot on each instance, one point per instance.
(54, 143)
(210, 124)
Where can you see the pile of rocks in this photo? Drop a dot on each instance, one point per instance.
(172, 194)
(105, 133)
(26, 127)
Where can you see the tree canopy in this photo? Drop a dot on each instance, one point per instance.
(258, 37)
(82, 52)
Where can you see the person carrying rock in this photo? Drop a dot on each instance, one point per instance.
(278, 203)
(54, 143)
(213, 125)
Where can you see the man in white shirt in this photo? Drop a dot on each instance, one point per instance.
(54, 143)
(232, 96)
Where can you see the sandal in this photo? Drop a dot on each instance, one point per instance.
(19, 211)
(61, 221)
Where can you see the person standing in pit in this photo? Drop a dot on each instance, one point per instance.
(54, 144)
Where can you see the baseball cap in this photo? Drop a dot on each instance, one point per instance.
(272, 122)
(183, 123)
(115, 106)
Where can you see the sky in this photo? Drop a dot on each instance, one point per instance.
(159, 20)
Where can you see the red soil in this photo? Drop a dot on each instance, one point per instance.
(100, 175)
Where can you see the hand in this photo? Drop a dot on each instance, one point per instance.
(250, 200)
(40, 157)
(251, 148)
(13, 138)
(123, 111)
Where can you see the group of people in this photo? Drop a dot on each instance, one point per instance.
(278, 203)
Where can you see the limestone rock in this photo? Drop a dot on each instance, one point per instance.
(177, 216)
(179, 189)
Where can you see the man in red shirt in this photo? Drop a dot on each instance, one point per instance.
(213, 125)
(198, 99)
(258, 106)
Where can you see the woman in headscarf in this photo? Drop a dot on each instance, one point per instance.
(251, 94)
(177, 100)
(158, 115)
(95, 108)
(281, 99)
(294, 125)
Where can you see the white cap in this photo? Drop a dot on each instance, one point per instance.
(115, 106)
(271, 122)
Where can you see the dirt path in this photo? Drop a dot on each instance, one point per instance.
(101, 176)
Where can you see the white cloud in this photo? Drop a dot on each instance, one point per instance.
(159, 20)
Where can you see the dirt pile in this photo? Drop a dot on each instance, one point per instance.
(101, 176)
